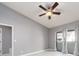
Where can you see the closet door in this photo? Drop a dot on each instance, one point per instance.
(59, 41)
(0, 41)
(71, 40)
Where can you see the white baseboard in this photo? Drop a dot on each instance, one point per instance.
(28, 54)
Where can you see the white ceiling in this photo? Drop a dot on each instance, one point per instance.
(69, 12)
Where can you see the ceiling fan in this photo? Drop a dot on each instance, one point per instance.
(50, 10)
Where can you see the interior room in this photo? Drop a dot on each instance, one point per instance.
(39, 29)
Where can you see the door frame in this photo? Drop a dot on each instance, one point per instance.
(12, 26)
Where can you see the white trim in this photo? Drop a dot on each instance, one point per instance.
(12, 36)
(28, 54)
(6, 24)
(12, 40)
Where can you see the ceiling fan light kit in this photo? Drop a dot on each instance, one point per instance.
(48, 13)
(50, 10)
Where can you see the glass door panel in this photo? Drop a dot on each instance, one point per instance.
(59, 41)
(70, 41)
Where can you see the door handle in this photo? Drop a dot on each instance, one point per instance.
(59, 39)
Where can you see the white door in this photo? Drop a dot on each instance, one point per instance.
(0, 41)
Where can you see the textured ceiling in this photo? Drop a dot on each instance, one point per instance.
(69, 12)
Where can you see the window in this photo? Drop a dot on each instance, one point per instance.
(59, 36)
(70, 36)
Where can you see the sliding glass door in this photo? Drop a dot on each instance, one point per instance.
(59, 41)
(70, 41)
(65, 41)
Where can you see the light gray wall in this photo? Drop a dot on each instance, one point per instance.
(29, 35)
(52, 36)
(52, 33)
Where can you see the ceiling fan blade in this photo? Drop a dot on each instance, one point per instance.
(49, 17)
(55, 5)
(42, 14)
(57, 13)
(42, 7)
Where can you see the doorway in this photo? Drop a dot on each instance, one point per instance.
(5, 40)
(66, 42)
(59, 41)
(0, 41)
